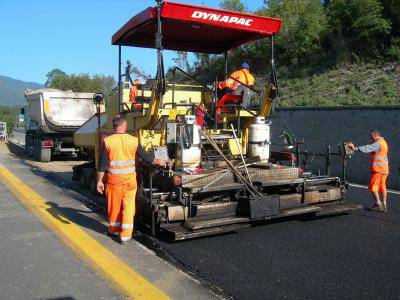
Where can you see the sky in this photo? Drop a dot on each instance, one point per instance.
(74, 36)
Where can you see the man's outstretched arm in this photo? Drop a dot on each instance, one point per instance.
(374, 147)
(150, 159)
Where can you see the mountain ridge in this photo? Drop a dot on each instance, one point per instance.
(12, 90)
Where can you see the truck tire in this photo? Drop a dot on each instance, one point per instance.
(44, 154)
(29, 145)
(26, 149)
(35, 148)
(83, 180)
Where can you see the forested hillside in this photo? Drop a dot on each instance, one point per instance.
(9, 115)
(329, 52)
(353, 84)
(12, 90)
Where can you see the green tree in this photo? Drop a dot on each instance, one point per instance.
(81, 82)
(340, 21)
(391, 11)
(52, 75)
(182, 60)
(359, 25)
(304, 27)
(139, 74)
(235, 5)
(369, 27)
(10, 116)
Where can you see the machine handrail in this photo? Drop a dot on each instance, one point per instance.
(191, 105)
(190, 77)
(187, 75)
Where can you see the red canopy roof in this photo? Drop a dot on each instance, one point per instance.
(195, 28)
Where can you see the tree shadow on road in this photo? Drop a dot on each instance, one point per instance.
(58, 179)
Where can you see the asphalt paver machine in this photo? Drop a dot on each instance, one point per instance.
(225, 177)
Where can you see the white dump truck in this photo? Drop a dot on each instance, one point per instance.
(52, 117)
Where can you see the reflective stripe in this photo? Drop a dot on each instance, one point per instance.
(127, 226)
(124, 238)
(121, 171)
(377, 157)
(115, 223)
(122, 163)
(379, 164)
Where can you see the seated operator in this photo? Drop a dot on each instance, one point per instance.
(234, 83)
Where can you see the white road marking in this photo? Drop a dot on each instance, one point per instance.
(366, 187)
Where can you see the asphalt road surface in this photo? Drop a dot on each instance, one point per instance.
(35, 265)
(349, 256)
(42, 220)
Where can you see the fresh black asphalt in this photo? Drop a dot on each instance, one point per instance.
(354, 256)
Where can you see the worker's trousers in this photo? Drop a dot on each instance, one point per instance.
(121, 209)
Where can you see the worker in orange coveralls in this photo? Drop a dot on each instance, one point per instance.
(379, 168)
(118, 155)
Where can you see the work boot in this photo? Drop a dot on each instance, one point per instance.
(123, 242)
(377, 208)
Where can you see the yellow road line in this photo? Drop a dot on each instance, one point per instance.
(121, 276)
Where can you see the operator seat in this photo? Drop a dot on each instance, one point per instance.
(246, 94)
(224, 104)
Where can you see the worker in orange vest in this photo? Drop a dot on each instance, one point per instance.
(118, 155)
(238, 82)
(238, 77)
(133, 93)
(379, 168)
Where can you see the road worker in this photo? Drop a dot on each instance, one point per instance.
(133, 93)
(239, 82)
(379, 168)
(237, 78)
(118, 155)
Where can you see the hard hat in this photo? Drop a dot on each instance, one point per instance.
(245, 66)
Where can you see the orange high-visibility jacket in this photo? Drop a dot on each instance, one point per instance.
(121, 149)
(242, 75)
(379, 160)
(133, 93)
